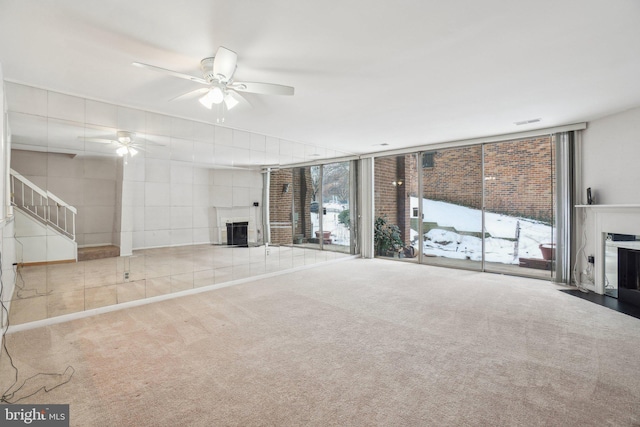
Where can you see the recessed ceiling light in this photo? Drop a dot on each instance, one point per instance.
(526, 122)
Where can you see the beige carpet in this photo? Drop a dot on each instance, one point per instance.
(353, 343)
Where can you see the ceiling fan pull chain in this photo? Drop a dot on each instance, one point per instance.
(220, 113)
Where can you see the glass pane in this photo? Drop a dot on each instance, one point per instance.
(335, 207)
(306, 205)
(519, 207)
(396, 185)
(280, 201)
(279, 252)
(451, 207)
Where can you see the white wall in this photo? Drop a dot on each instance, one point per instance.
(162, 196)
(38, 243)
(611, 158)
(8, 251)
(171, 193)
(233, 193)
(7, 247)
(609, 163)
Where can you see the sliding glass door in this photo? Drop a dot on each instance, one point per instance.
(396, 232)
(486, 207)
(306, 216)
(519, 210)
(336, 197)
(451, 207)
(310, 208)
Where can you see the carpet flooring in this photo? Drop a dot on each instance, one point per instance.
(351, 343)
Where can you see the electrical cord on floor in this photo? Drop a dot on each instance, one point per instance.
(21, 291)
(29, 385)
(33, 385)
(5, 327)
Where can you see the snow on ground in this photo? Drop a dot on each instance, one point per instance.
(500, 247)
(501, 228)
(340, 234)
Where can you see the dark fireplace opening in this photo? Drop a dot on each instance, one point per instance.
(237, 234)
(629, 275)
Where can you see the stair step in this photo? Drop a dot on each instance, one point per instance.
(98, 252)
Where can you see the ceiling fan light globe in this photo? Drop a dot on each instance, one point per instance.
(122, 151)
(206, 101)
(215, 95)
(230, 101)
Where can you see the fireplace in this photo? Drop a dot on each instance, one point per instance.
(237, 234)
(629, 275)
(614, 226)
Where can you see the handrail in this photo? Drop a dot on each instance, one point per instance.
(46, 194)
(28, 183)
(43, 205)
(60, 202)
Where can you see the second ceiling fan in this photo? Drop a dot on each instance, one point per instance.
(220, 87)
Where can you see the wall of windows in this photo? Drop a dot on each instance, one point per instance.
(486, 207)
(313, 207)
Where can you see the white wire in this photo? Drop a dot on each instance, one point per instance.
(576, 276)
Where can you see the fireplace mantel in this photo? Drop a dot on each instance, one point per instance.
(618, 218)
(223, 215)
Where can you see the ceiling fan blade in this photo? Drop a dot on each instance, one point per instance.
(262, 88)
(98, 140)
(191, 94)
(137, 147)
(224, 64)
(171, 73)
(148, 142)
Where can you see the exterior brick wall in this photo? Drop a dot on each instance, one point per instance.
(392, 200)
(386, 197)
(280, 207)
(300, 193)
(518, 176)
(303, 195)
(456, 176)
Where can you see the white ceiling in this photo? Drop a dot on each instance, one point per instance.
(402, 73)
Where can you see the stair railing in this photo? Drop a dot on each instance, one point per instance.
(43, 205)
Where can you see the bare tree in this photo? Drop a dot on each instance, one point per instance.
(336, 181)
(315, 181)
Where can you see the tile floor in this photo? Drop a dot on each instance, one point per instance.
(53, 290)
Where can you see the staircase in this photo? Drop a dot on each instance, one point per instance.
(43, 206)
(52, 213)
(98, 252)
(45, 225)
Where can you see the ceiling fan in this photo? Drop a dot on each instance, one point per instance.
(220, 87)
(127, 142)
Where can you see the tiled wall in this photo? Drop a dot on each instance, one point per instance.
(160, 197)
(88, 184)
(7, 278)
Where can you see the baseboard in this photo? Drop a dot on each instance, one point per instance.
(37, 263)
(144, 301)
